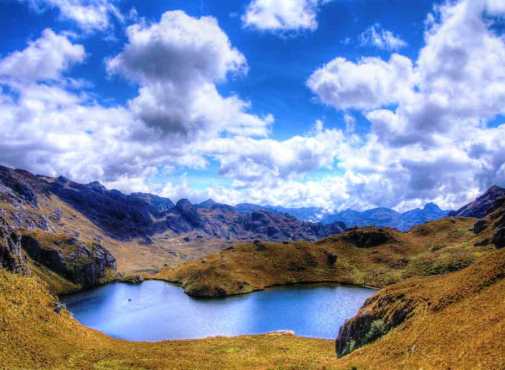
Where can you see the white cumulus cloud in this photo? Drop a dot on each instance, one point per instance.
(368, 84)
(178, 63)
(89, 15)
(282, 15)
(43, 59)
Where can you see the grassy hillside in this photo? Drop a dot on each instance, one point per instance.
(34, 336)
(457, 321)
(370, 256)
(442, 303)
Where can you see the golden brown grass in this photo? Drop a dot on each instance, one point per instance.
(33, 336)
(458, 323)
(435, 248)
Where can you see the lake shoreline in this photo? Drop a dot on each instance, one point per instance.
(155, 311)
(267, 287)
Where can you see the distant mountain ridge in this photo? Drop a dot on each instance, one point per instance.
(380, 217)
(142, 216)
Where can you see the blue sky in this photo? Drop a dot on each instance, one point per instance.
(334, 103)
(278, 64)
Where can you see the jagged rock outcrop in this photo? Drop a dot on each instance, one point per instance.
(159, 204)
(379, 315)
(81, 263)
(12, 257)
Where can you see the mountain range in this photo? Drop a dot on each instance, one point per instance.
(143, 216)
(381, 217)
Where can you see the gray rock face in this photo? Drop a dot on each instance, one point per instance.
(11, 253)
(375, 319)
(80, 263)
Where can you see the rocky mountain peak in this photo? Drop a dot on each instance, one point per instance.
(97, 186)
(483, 205)
(209, 203)
(431, 207)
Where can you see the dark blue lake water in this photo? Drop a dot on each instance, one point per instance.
(155, 310)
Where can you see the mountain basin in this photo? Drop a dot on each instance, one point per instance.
(156, 310)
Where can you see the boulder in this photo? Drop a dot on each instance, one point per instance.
(367, 238)
(480, 226)
(499, 238)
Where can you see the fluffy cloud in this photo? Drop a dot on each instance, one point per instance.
(43, 59)
(49, 129)
(429, 139)
(368, 84)
(90, 15)
(282, 15)
(177, 63)
(251, 161)
(381, 38)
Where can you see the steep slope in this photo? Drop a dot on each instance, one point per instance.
(456, 321)
(410, 301)
(371, 256)
(483, 205)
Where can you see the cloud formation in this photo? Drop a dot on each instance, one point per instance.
(282, 15)
(89, 15)
(382, 39)
(177, 63)
(367, 84)
(43, 59)
(430, 136)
